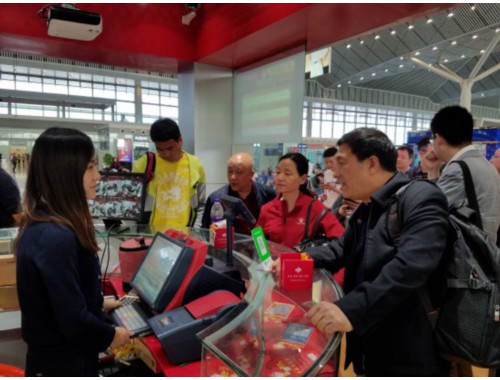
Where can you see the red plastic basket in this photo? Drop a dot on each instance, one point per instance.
(130, 256)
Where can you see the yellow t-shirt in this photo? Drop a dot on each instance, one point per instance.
(170, 189)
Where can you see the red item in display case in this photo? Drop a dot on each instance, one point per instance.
(296, 271)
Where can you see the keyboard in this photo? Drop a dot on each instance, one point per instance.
(132, 318)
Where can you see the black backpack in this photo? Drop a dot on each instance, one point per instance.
(466, 320)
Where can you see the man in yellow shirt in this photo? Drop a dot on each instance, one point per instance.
(176, 194)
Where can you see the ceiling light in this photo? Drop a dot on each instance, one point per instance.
(361, 42)
(400, 58)
(451, 14)
(482, 94)
(361, 78)
(386, 70)
(435, 48)
(348, 46)
(462, 56)
(373, 74)
(377, 37)
(445, 61)
(473, 8)
(349, 82)
(393, 32)
(400, 66)
(474, 36)
(482, 51)
(497, 30)
(339, 85)
(417, 53)
(454, 43)
(429, 21)
(410, 27)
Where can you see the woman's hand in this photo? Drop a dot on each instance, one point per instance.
(110, 304)
(122, 337)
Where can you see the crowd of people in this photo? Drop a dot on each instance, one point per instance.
(388, 333)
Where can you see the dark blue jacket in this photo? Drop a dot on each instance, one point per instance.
(391, 331)
(264, 195)
(61, 302)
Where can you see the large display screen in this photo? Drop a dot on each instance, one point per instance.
(120, 196)
(152, 276)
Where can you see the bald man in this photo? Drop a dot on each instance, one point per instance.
(240, 174)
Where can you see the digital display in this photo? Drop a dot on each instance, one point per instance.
(154, 271)
(120, 196)
(124, 149)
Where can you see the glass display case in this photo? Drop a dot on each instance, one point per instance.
(269, 334)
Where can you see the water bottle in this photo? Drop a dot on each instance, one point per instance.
(217, 211)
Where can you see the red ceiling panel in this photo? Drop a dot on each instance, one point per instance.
(152, 37)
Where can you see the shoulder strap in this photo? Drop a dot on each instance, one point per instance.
(471, 192)
(393, 219)
(308, 215)
(150, 166)
(318, 221)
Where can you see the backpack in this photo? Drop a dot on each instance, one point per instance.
(467, 321)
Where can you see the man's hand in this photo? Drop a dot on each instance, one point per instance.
(328, 318)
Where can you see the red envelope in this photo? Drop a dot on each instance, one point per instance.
(296, 271)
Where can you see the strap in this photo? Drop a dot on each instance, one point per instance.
(471, 192)
(150, 166)
(430, 311)
(308, 215)
(318, 221)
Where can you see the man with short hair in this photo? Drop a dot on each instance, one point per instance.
(241, 185)
(329, 184)
(176, 194)
(405, 158)
(452, 129)
(10, 201)
(495, 160)
(388, 332)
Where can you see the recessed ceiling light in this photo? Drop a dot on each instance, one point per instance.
(339, 85)
(349, 82)
(445, 61)
(361, 42)
(373, 74)
(377, 37)
(400, 66)
(474, 36)
(462, 56)
(473, 8)
(451, 14)
(429, 21)
(361, 78)
(386, 70)
(497, 30)
(417, 53)
(400, 58)
(410, 27)
(482, 94)
(348, 46)
(393, 32)
(454, 43)
(482, 51)
(435, 48)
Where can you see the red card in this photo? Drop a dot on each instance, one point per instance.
(218, 237)
(296, 272)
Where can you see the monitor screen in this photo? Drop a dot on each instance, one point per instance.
(120, 196)
(162, 270)
(124, 149)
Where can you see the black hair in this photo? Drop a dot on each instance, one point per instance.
(408, 149)
(54, 185)
(164, 130)
(454, 124)
(330, 152)
(302, 165)
(423, 142)
(367, 142)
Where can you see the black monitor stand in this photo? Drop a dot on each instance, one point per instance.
(230, 216)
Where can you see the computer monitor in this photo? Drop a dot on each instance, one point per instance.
(120, 196)
(162, 271)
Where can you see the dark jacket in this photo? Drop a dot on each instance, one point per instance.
(264, 194)
(61, 303)
(391, 331)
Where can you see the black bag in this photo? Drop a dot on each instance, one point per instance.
(467, 320)
(312, 240)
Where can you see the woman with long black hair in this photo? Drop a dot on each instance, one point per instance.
(58, 274)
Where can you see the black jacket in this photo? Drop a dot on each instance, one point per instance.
(391, 331)
(264, 195)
